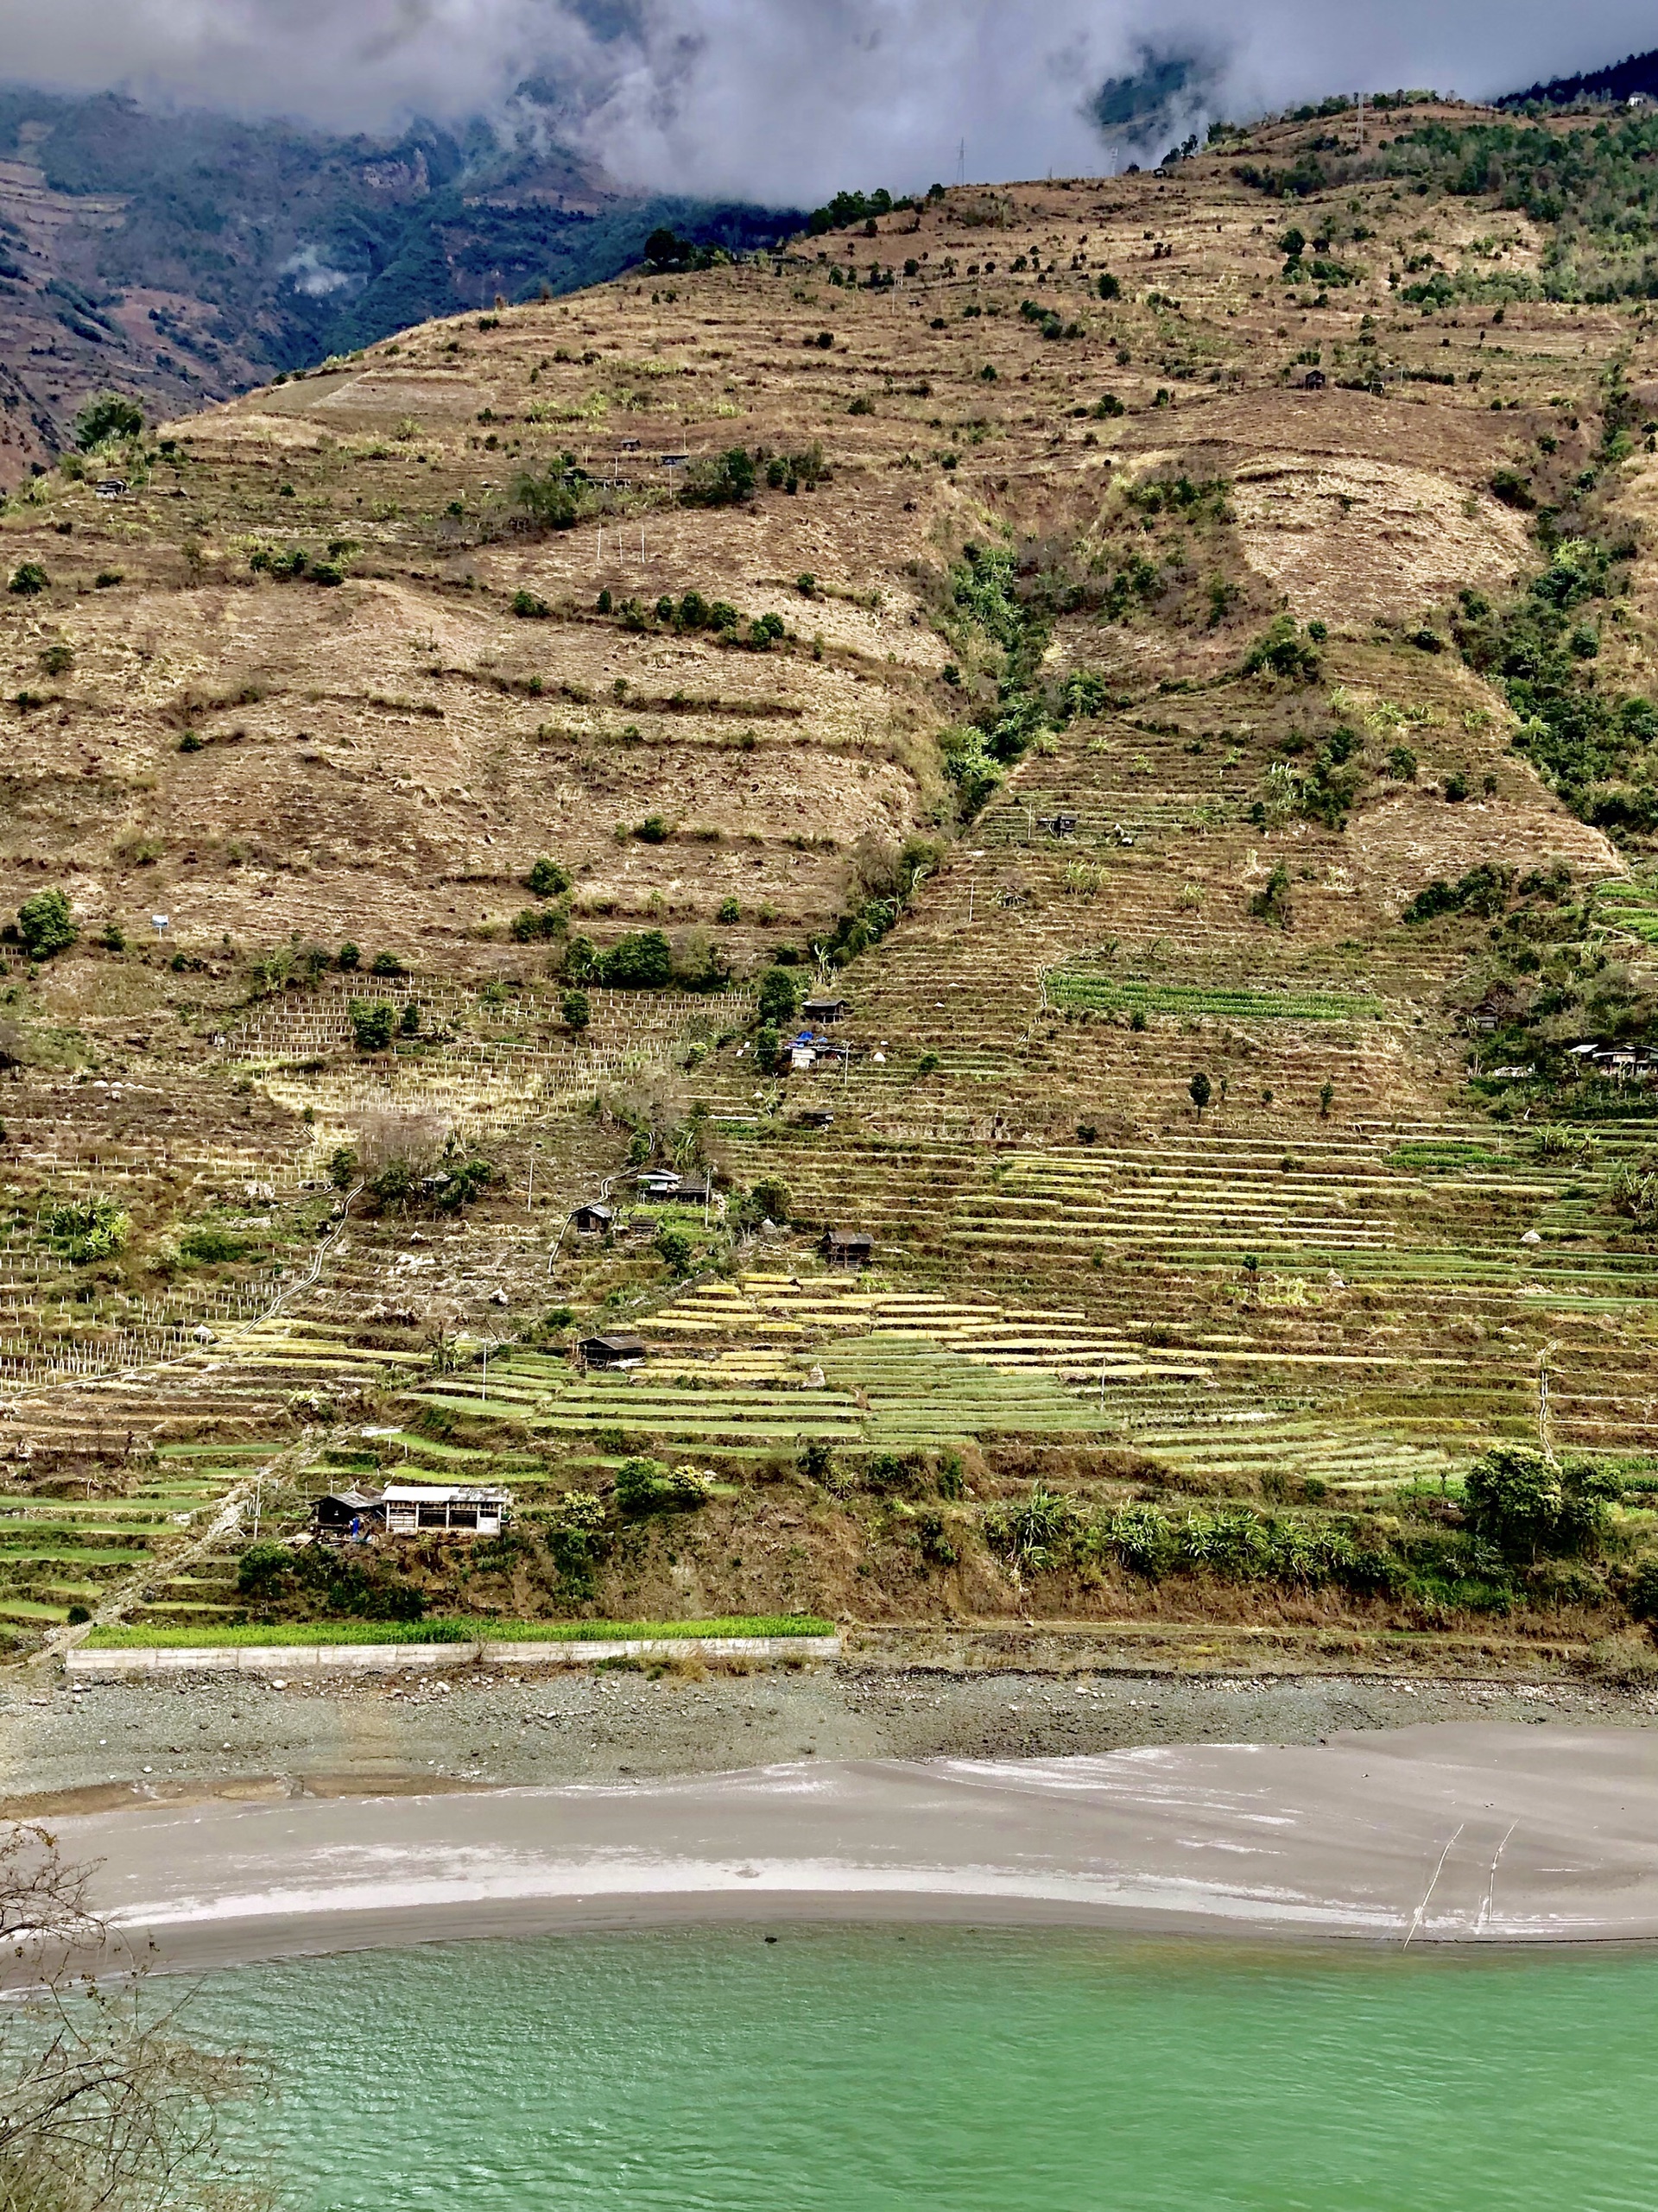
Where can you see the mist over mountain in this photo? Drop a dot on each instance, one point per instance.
(185, 256)
(1636, 77)
(785, 101)
(205, 199)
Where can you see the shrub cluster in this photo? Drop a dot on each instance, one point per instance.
(643, 960)
(1597, 752)
(320, 1579)
(46, 925)
(82, 1230)
(646, 1486)
(1483, 890)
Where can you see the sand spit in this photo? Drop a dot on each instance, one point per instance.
(1440, 1834)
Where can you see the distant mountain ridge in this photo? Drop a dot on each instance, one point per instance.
(1638, 74)
(185, 256)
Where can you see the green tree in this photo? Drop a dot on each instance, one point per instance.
(780, 997)
(463, 1183)
(553, 500)
(1202, 1091)
(641, 961)
(1529, 1506)
(577, 1008)
(395, 1186)
(265, 1571)
(373, 1023)
(644, 1485)
(342, 1167)
(546, 879)
(723, 480)
(46, 925)
(111, 414)
(675, 1249)
(27, 578)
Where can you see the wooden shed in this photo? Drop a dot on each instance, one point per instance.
(459, 1510)
(614, 1350)
(592, 1220)
(825, 1009)
(848, 1248)
(345, 1515)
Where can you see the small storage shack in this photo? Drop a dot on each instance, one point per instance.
(593, 1219)
(848, 1248)
(657, 1182)
(344, 1516)
(459, 1509)
(825, 1009)
(613, 1350)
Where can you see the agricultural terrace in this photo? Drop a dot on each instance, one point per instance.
(1186, 692)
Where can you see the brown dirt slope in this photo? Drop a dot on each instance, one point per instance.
(1335, 1274)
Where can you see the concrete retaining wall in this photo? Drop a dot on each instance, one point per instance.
(384, 1659)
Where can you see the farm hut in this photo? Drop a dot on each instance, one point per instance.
(1058, 825)
(848, 1248)
(1314, 381)
(814, 1117)
(825, 1009)
(1494, 1008)
(657, 1182)
(345, 1516)
(612, 1350)
(693, 1190)
(461, 1509)
(593, 1219)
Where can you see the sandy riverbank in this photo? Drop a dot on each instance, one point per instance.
(131, 1742)
(1449, 1833)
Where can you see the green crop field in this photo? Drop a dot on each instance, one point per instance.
(1073, 988)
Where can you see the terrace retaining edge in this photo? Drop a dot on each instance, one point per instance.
(386, 1658)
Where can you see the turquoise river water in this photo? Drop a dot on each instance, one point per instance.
(879, 2070)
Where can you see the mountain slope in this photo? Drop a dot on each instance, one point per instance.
(1187, 694)
(183, 257)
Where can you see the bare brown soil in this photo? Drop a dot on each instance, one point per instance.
(279, 765)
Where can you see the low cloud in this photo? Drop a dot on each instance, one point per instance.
(785, 100)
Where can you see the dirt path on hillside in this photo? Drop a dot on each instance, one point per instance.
(129, 1743)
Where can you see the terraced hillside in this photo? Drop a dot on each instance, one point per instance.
(1183, 689)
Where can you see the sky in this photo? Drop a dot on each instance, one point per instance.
(785, 101)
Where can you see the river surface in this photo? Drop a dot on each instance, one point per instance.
(952, 2070)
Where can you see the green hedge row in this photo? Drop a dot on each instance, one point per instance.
(135, 1636)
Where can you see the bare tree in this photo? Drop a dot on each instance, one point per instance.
(106, 2103)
